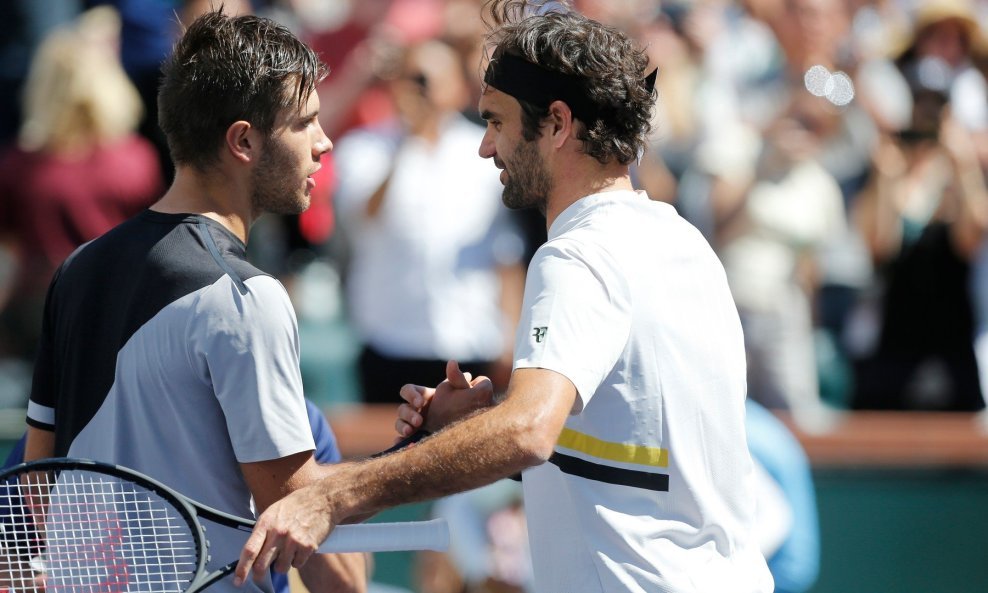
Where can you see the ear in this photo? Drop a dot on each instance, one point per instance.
(242, 141)
(559, 123)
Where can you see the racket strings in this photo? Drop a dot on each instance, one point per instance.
(84, 532)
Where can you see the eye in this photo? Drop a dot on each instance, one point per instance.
(308, 122)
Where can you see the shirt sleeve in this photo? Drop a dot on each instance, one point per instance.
(576, 316)
(249, 344)
(41, 402)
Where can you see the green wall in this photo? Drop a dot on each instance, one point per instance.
(903, 531)
(882, 531)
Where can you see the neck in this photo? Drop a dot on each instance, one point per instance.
(585, 178)
(212, 194)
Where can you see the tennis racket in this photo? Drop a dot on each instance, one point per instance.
(79, 526)
(408, 441)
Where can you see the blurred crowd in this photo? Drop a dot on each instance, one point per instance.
(833, 152)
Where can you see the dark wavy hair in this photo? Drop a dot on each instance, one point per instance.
(613, 67)
(230, 68)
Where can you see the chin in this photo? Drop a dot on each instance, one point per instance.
(298, 206)
(291, 207)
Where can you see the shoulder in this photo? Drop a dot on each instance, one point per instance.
(90, 254)
(258, 301)
(575, 263)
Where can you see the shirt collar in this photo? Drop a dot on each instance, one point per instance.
(578, 210)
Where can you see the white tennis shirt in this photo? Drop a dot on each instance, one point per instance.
(650, 486)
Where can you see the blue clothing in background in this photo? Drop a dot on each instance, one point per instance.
(149, 28)
(796, 564)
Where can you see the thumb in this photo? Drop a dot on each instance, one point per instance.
(455, 376)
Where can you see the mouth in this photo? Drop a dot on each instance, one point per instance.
(504, 172)
(310, 182)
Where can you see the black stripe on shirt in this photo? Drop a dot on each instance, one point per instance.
(207, 238)
(610, 475)
(41, 425)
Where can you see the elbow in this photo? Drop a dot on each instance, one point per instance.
(534, 413)
(535, 444)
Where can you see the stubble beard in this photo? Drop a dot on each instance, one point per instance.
(528, 182)
(276, 189)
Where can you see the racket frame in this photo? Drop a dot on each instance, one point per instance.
(435, 531)
(190, 510)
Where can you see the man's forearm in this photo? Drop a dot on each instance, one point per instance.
(335, 573)
(482, 449)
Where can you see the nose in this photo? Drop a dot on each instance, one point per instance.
(487, 149)
(323, 144)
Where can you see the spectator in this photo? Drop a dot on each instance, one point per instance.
(945, 38)
(78, 168)
(431, 253)
(923, 216)
(26, 24)
(769, 237)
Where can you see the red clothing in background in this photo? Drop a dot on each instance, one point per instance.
(51, 204)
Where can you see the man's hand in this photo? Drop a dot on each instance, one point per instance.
(287, 533)
(432, 409)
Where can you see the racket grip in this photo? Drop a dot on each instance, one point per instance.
(388, 537)
(408, 441)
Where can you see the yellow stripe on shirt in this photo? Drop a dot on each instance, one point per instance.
(639, 454)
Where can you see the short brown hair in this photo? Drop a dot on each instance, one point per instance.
(230, 68)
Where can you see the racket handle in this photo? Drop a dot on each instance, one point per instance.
(388, 537)
(415, 437)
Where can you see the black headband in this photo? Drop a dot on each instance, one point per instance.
(530, 82)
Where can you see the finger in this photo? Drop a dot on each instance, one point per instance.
(403, 428)
(413, 394)
(408, 415)
(300, 559)
(285, 559)
(455, 375)
(482, 381)
(483, 391)
(264, 561)
(249, 554)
